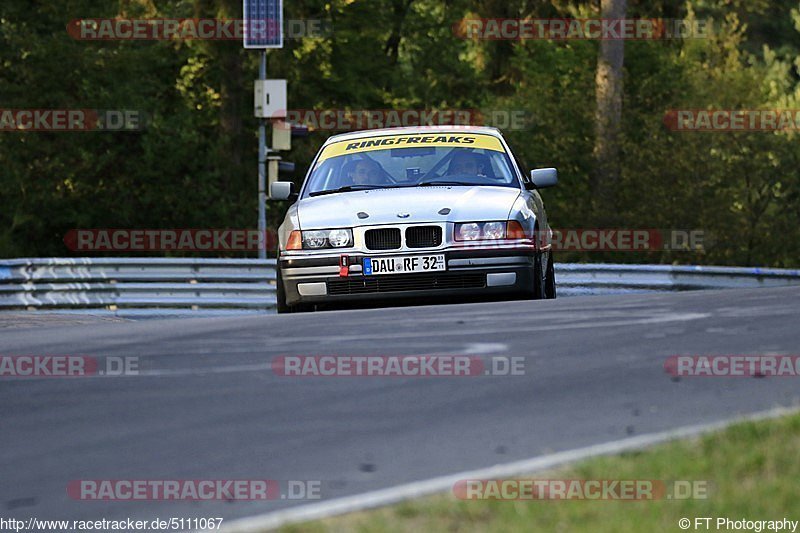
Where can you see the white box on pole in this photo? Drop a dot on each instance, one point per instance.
(270, 99)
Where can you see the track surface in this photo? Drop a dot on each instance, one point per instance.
(208, 406)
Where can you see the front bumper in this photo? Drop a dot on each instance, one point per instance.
(316, 279)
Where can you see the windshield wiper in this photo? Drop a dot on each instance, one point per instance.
(346, 188)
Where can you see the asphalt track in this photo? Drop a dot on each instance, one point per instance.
(207, 405)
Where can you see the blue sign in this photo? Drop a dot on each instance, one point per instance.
(367, 266)
(263, 23)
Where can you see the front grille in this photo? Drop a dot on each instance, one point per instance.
(424, 237)
(406, 282)
(382, 239)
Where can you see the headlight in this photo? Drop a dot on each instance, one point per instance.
(494, 230)
(314, 239)
(468, 232)
(339, 238)
(480, 231)
(329, 238)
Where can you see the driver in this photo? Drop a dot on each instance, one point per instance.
(465, 163)
(367, 172)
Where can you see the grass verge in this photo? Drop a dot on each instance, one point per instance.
(752, 468)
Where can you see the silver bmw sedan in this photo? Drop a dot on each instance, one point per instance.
(422, 213)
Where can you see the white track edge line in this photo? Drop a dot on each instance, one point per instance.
(392, 495)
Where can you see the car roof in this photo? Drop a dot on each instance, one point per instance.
(413, 130)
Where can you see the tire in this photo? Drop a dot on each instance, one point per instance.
(280, 292)
(534, 290)
(550, 280)
(538, 283)
(280, 295)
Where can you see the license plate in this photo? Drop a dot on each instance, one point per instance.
(404, 264)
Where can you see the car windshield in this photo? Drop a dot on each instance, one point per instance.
(392, 161)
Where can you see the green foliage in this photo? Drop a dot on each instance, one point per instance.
(195, 164)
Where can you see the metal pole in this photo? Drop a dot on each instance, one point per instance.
(262, 171)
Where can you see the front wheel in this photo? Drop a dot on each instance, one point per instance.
(535, 290)
(538, 278)
(280, 295)
(280, 292)
(550, 280)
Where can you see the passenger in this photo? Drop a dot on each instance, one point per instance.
(465, 164)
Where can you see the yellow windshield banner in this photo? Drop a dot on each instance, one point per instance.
(448, 140)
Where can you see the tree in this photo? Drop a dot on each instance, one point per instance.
(608, 116)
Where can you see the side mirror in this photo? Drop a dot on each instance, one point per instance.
(542, 178)
(282, 190)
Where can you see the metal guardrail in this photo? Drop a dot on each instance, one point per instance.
(132, 286)
(576, 279)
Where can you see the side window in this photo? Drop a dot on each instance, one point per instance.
(521, 164)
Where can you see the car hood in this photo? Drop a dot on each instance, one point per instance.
(421, 204)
